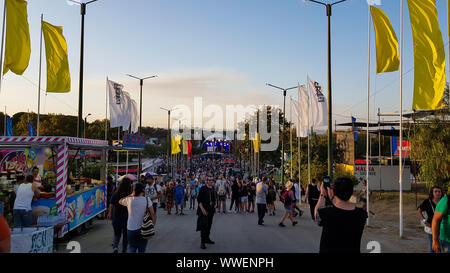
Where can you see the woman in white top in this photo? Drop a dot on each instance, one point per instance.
(27, 191)
(137, 205)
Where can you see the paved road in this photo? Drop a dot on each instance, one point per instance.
(233, 233)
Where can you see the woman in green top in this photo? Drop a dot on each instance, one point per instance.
(441, 226)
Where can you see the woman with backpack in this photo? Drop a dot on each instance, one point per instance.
(287, 198)
(271, 197)
(137, 205)
(119, 215)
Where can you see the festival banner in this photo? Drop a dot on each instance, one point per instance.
(17, 43)
(58, 74)
(318, 104)
(429, 55)
(386, 42)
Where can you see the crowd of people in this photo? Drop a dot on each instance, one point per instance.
(209, 187)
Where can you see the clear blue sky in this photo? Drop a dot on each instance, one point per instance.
(222, 50)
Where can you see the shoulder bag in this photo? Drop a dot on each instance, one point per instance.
(147, 227)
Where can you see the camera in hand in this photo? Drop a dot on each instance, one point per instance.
(327, 182)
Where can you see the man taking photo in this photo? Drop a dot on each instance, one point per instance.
(342, 222)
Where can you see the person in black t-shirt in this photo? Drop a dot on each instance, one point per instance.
(312, 196)
(206, 207)
(119, 215)
(342, 222)
(428, 206)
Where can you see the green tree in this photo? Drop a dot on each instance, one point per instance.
(429, 148)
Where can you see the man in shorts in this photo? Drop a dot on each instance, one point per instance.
(179, 197)
(221, 189)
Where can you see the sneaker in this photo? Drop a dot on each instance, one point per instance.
(202, 246)
(281, 225)
(209, 241)
(294, 223)
(115, 250)
(181, 213)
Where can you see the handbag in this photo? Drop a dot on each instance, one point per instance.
(147, 227)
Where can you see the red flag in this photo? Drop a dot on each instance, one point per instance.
(190, 150)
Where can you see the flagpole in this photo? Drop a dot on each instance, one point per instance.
(401, 123)
(1, 52)
(4, 124)
(106, 112)
(39, 84)
(308, 132)
(290, 132)
(368, 115)
(298, 141)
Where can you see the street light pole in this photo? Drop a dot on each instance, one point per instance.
(169, 143)
(330, 128)
(284, 125)
(141, 82)
(80, 95)
(85, 121)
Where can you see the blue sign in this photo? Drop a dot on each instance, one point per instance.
(133, 141)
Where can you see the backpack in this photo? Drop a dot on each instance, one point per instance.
(286, 199)
(222, 190)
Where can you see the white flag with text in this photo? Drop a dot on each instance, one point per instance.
(318, 104)
(116, 103)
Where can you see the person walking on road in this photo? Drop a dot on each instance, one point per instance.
(252, 194)
(152, 191)
(179, 197)
(137, 205)
(287, 198)
(234, 195)
(271, 198)
(441, 226)
(119, 215)
(261, 193)
(221, 188)
(170, 197)
(429, 206)
(312, 196)
(205, 211)
(244, 197)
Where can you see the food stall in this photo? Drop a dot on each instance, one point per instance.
(65, 191)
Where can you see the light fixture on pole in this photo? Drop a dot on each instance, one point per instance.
(85, 121)
(330, 132)
(80, 96)
(284, 125)
(141, 82)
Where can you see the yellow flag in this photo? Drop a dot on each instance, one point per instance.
(429, 55)
(58, 75)
(17, 47)
(185, 147)
(386, 42)
(176, 144)
(256, 143)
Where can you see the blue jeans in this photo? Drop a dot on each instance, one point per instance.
(136, 243)
(430, 239)
(445, 247)
(23, 218)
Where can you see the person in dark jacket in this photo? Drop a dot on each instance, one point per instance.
(119, 215)
(206, 207)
